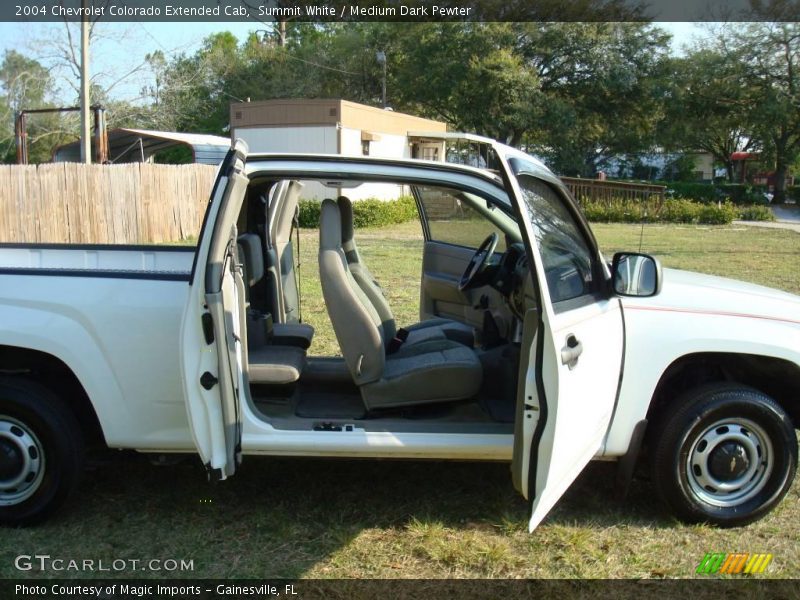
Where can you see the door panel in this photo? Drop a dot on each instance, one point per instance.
(225, 308)
(211, 349)
(584, 393)
(442, 268)
(570, 388)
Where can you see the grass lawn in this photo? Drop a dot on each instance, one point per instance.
(345, 518)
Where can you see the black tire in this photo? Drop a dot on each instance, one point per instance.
(701, 455)
(36, 423)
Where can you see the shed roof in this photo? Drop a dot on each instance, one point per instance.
(137, 145)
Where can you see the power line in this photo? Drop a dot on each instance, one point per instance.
(286, 52)
(308, 62)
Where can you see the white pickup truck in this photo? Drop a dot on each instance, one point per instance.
(531, 347)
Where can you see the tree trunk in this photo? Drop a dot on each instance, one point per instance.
(515, 138)
(780, 181)
(729, 171)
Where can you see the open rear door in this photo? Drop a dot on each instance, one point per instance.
(572, 341)
(212, 352)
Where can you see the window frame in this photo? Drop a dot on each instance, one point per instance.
(423, 216)
(599, 289)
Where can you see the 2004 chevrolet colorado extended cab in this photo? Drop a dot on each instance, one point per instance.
(531, 347)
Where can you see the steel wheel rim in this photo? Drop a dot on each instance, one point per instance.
(743, 434)
(29, 453)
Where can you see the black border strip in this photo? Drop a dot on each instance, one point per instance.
(100, 274)
(345, 11)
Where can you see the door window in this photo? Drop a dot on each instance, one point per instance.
(567, 257)
(453, 221)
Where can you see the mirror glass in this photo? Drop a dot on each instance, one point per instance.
(635, 275)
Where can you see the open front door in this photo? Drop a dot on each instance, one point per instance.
(573, 341)
(212, 352)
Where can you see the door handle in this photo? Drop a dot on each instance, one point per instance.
(571, 352)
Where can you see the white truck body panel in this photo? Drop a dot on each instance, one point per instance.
(119, 336)
(694, 314)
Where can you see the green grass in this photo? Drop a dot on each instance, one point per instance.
(291, 517)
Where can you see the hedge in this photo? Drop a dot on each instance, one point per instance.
(793, 192)
(673, 211)
(372, 212)
(369, 212)
(738, 193)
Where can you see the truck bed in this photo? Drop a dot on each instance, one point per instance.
(113, 315)
(127, 262)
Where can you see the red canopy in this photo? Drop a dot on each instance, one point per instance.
(743, 155)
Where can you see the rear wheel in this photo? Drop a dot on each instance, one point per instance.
(40, 452)
(727, 456)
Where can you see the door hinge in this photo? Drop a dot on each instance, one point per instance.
(208, 381)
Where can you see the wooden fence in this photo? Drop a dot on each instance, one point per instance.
(596, 190)
(103, 204)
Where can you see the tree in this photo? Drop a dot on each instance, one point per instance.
(770, 55)
(707, 107)
(26, 84)
(577, 92)
(751, 96)
(468, 74)
(602, 88)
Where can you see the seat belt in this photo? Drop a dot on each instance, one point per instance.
(296, 225)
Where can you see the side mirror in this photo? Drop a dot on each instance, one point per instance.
(635, 274)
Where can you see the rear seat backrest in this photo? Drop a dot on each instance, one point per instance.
(251, 256)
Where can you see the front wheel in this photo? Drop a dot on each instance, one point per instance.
(40, 452)
(727, 456)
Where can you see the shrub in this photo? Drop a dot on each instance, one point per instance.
(755, 213)
(651, 211)
(700, 192)
(793, 192)
(743, 193)
(369, 212)
(308, 213)
(738, 193)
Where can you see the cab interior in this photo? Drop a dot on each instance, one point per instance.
(454, 369)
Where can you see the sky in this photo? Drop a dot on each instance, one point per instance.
(123, 47)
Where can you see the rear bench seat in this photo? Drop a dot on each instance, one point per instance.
(275, 365)
(276, 352)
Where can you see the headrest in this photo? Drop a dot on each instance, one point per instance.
(330, 226)
(346, 211)
(250, 253)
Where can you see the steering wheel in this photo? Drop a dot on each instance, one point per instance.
(478, 262)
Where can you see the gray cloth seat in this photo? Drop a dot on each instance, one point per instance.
(275, 354)
(251, 258)
(430, 329)
(275, 365)
(436, 370)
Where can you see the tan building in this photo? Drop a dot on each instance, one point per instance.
(332, 126)
(703, 165)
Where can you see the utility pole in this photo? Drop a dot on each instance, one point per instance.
(86, 136)
(380, 56)
(281, 33)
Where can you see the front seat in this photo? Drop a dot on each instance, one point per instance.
(437, 328)
(433, 371)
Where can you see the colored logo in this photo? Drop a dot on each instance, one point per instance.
(740, 563)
